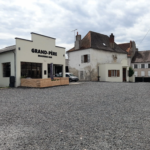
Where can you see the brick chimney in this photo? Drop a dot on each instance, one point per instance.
(111, 40)
(78, 41)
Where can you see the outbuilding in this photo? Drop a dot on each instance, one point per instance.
(38, 58)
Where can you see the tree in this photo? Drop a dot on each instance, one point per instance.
(131, 71)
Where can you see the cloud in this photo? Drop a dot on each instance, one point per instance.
(127, 19)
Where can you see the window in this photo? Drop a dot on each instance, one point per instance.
(149, 73)
(135, 65)
(148, 65)
(142, 65)
(6, 69)
(142, 73)
(113, 73)
(67, 75)
(85, 58)
(33, 70)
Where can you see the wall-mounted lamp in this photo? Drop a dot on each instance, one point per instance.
(64, 55)
(19, 48)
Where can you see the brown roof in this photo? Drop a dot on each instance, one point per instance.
(96, 40)
(7, 49)
(141, 56)
(126, 47)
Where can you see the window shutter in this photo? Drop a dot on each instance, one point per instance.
(118, 73)
(133, 66)
(146, 65)
(148, 73)
(88, 57)
(142, 73)
(109, 73)
(139, 65)
(135, 73)
(82, 59)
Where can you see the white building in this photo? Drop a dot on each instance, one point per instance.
(31, 59)
(98, 55)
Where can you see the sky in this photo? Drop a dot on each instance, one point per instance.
(126, 19)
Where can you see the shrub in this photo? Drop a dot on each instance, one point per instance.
(131, 71)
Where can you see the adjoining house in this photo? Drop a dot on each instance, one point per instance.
(36, 58)
(139, 61)
(130, 48)
(97, 55)
(141, 65)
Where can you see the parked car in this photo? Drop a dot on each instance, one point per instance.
(71, 77)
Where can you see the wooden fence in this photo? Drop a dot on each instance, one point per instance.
(41, 83)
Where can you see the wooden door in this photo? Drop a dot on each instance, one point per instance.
(124, 74)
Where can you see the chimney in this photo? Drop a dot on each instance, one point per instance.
(78, 42)
(111, 40)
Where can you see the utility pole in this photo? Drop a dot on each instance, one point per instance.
(74, 34)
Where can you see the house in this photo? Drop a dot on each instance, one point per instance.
(98, 55)
(139, 61)
(141, 65)
(38, 58)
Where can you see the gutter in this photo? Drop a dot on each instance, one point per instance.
(15, 65)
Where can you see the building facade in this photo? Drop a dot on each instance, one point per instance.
(139, 61)
(141, 64)
(35, 58)
(97, 55)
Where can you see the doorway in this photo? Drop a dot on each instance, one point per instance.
(124, 75)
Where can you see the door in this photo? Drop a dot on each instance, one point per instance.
(124, 74)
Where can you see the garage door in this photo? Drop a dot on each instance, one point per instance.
(142, 79)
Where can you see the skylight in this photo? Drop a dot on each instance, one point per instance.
(104, 44)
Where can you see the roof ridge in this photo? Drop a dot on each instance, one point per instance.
(144, 51)
(98, 33)
(123, 43)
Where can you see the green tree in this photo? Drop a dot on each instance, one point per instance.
(131, 71)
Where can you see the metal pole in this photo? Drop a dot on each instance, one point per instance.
(74, 34)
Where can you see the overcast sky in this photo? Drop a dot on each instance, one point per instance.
(126, 19)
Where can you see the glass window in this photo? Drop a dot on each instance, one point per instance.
(148, 65)
(135, 65)
(32, 70)
(6, 69)
(142, 65)
(85, 58)
(113, 73)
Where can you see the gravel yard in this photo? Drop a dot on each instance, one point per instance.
(88, 116)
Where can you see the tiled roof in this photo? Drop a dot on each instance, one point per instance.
(126, 47)
(97, 41)
(9, 48)
(141, 56)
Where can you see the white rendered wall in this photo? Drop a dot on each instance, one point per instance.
(42, 43)
(97, 57)
(4, 58)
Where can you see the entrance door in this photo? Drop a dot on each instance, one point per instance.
(124, 74)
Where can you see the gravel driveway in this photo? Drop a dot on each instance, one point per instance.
(88, 116)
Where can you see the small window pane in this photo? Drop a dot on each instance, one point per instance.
(135, 65)
(142, 65)
(6, 69)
